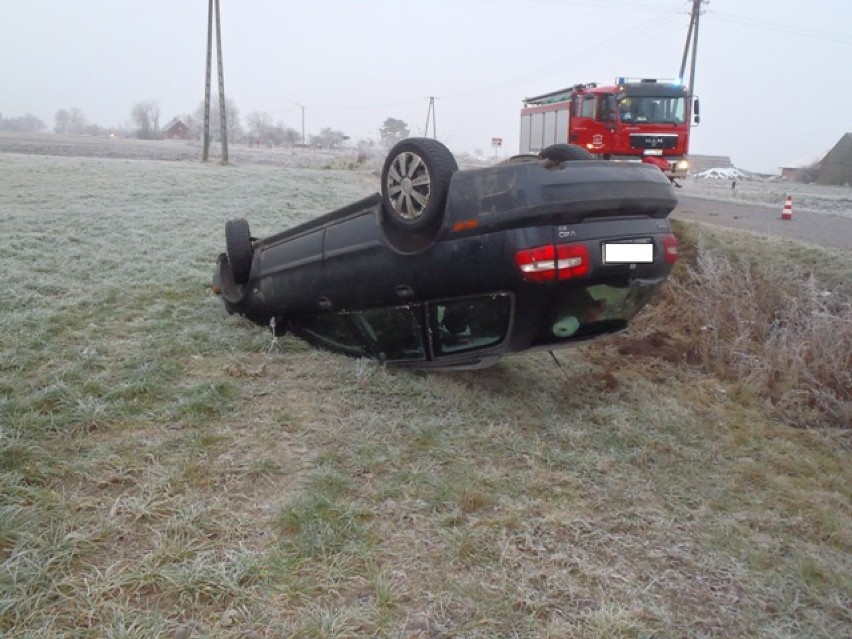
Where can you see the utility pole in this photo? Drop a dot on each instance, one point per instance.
(431, 111)
(302, 106)
(691, 40)
(206, 152)
(223, 120)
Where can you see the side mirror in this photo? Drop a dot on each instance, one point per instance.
(697, 119)
(696, 109)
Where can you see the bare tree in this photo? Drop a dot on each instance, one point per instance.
(393, 131)
(235, 129)
(62, 119)
(24, 123)
(287, 134)
(259, 124)
(262, 130)
(328, 138)
(76, 121)
(146, 117)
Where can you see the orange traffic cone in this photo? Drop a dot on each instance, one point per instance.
(787, 213)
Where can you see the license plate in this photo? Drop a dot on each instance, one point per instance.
(627, 253)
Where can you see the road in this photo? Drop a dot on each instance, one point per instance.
(831, 231)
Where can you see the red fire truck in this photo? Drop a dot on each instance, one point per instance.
(638, 120)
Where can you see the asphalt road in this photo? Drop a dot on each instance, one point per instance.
(832, 231)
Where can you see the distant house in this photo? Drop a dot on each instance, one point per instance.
(176, 130)
(803, 170)
(803, 174)
(836, 166)
(701, 163)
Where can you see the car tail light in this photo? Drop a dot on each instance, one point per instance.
(544, 263)
(670, 253)
(537, 264)
(572, 260)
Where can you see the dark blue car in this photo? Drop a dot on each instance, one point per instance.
(453, 269)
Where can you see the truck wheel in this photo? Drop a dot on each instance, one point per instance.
(239, 249)
(415, 181)
(564, 153)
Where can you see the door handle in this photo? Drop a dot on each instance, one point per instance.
(404, 291)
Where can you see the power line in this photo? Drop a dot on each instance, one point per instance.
(617, 41)
(573, 5)
(639, 35)
(794, 31)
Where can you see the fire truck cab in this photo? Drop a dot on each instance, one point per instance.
(640, 120)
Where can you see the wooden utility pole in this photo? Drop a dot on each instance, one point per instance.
(223, 119)
(431, 111)
(205, 154)
(691, 41)
(302, 107)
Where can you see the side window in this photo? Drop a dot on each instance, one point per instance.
(577, 106)
(607, 112)
(470, 324)
(588, 106)
(332, 331)
(395, 333)
(676, 113)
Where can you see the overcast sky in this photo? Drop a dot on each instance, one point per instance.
(773, 75)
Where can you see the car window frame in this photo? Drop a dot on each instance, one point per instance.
(430, 309)
(368, 344)
(371, 342)
(298, 327)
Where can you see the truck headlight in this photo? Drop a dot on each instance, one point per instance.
(682, 165)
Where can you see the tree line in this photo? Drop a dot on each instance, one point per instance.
(260, 128)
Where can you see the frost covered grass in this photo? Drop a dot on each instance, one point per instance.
(165, 470)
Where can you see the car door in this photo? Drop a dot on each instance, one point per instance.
(361, 270)
(291, 272)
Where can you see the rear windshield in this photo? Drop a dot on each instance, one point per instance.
(595, 309)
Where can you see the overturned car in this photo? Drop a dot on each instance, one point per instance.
(448, 268)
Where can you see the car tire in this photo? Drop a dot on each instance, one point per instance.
(239, 249)
(565, 153)
(415, 181)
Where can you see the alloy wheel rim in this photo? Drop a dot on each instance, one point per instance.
(409, 185)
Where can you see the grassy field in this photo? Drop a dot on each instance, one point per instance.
(167, 470)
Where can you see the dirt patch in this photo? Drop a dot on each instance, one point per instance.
(656, 344)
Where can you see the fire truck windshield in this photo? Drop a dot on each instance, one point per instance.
(648, 109)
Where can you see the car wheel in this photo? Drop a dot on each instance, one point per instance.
(415, 181)
(239, 249)
(565, 153)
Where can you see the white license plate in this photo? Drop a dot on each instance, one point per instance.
(626, 253)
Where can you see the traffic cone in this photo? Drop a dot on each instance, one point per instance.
(787, 213)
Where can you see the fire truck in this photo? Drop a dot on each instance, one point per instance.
(634, 120)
